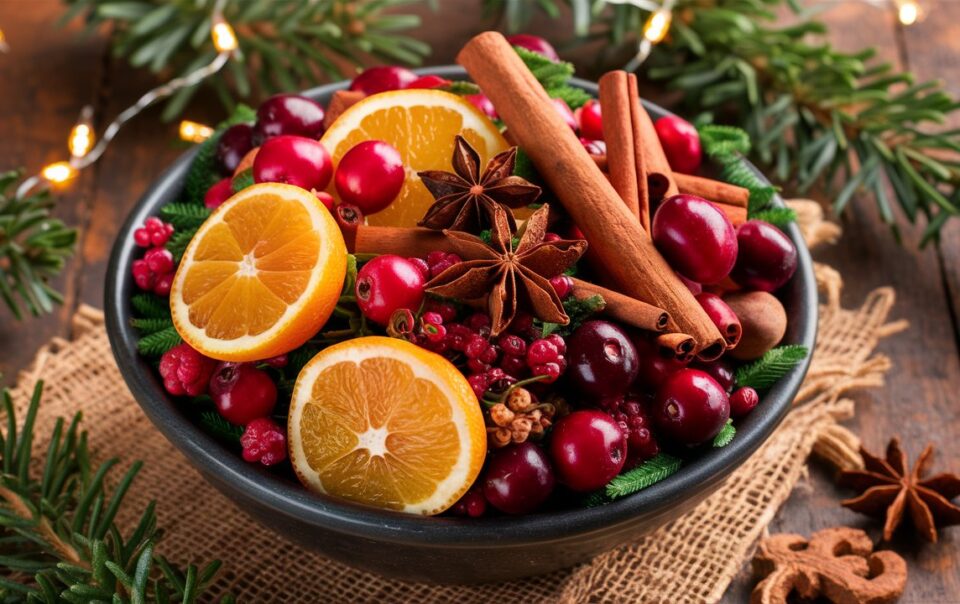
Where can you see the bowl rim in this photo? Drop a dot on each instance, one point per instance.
(289, 499)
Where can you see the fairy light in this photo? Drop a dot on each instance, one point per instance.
(58, 172)
(4, 47)
(908, 12)
(657, 26)
(655, 29)
(224, 39)
(81, 135)
(194, 132)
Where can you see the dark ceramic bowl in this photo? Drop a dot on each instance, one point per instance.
(415, 548)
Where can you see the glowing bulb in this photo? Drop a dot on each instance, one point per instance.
(193, 132)
(908, 12)
(4, 47)
(59, 172)
(81, 136)
(657, 26)
(224, 40)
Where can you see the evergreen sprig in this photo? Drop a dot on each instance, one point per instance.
(768, 369)
(33, 249)
(649, 472)
(184, 215)
(156, 343)
(554, 77)
(578, 310)
(60, 541)
(282, 44)
(215, 424)
(725, 437)
(815, 114)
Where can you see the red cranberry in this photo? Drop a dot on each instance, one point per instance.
(218, 193)
(694, 287)
(629, 414)
(288, 114)
(163, 284)
(722, 371)
(325, 198)
(767, 257)
(564, 111)
(479, 384)
(428, 81)
(743, 400)
(153, 233)
(294, 160)
(563, 285)
(279, 361)
(534, 44)
(681, 143)
(142, 275)
(558, 342)
(242, 393)
(591, 124)
(588, 449)
(594, 147)
(691, 407)
(654, 367)
(370, 176)
(722, 316)
(472, 504)
(518, 478)
(542, 351)
(603, 360)
(514, 366)
(159, 260)
(696, 238)
(185, 371)
(235, 142)
(264, 441)
(388, 283)
(381, 79)
(512, 345)
(484, 104)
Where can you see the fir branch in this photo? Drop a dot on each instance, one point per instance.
(725, 437)
(722, 142)
(157, 343)
(771, 367)
(242, 181)
(184, 215)
(778, 217)
(649, 472)
(150, 306)
(149, 326)
(214, 423)
(61, 522)
(178, 243)
(34, 247)
(203, 171)
(579, 310)
(554, 77)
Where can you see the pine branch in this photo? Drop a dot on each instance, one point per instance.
(61, 523)
(150, 306)
(579, 310)
(725, 437)
(157, 343)
(649, 472)
(282, 44)
(34, 247)
(184, 215)
(554, 77)
(214, 423)
(768, 369)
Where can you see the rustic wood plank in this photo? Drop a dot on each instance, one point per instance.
(48, 75)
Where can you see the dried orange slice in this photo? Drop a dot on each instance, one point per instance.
(421, 124)
(383, 422)
(261, 276)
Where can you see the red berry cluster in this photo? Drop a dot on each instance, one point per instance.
(630, 415)
(154, 272)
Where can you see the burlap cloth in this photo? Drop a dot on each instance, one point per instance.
(690, 560)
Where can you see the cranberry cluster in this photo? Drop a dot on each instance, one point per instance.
(154, 272)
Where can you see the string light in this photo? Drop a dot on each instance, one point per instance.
(657, 26)
(58, 172)
(224, 39)
(908, 11)
(655, 29)
(4, 47)
(81, 135)
(193, 132)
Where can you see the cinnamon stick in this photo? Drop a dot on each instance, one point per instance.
(402, 241)
(678, 345)
(618, 134)
(341, 101)
(654, 167)
(622, 246)
(624, 308)
(734, 214)
(712, 190)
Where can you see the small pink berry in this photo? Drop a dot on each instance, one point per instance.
(325, 198)
(142, 275)
(218, 193)
(542, 351)
(550, 370)
(163, 284)
(159, 260)
(422, 266)
(743, 401)
(264, 441)
(185, 371)
(563, 285)
(479, 384)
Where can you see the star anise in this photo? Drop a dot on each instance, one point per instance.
(466, 199)
(508, 275)
(889, 489)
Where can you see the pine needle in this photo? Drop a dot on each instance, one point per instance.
(725, 437)
(649, 472)
(771, 367)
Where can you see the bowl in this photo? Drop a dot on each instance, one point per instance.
(437, 549)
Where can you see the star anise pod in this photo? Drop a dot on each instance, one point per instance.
(509, 276)
(466, 199)
(890, 489)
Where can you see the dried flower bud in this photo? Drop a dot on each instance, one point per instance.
(519, 399)
(500, 415)
(521, 424)
(499, 437)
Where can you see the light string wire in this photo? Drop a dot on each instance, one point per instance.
(84, 153)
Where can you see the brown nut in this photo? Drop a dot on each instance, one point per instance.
(764, 322)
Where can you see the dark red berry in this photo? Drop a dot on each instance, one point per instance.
(349, 218)
(142, 275)
(477, 366)
(588, 449)
(515, 366)
(288, 114)
(162, 285)
(721, 370)
(221, 191)
(522, 325)
(388, 283)
(558, 342)
(153, 233)
(478, 382)
(294, 160)
(681, 143)
(563, 285)
(551, 371)
(630, 415)
(518, 478)
(264, 441)
(446, 311)
(591, 122)
(472, 504)
(478, 322)
(489, 355)
(159, 260)
(325, 198)
(722, 316)
(603, 360)
(695, 237)
(370, 176)
(427, 82)
(743, 400)
(475, 347)
(441, 261)
(242, 393)
(484, 104)
(458, 336)
(563, 110)
(235, 142)
(767, 257)
(512, 345)
(654, 367)
(691, 407)
(534, 44)
(422, 266)
(382, 79)
(185, 371)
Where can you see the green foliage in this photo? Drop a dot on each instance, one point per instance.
(59, 531)
(578, 311)
(725, 437)
(779, 217)
(203, 171)
(178, 243)
(726, 145)
(242, 181)
(213, 422)
(282, 44)
(158, 342)
(649, 472)
(150, 306)
(554, 77)
(184, 215)
(147, 326)
(768, 369)
(33, 249)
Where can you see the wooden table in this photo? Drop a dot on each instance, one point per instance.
(51, 72)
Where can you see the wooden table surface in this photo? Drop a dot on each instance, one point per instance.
(50, 73)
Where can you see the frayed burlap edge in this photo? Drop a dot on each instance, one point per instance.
(692, 559)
